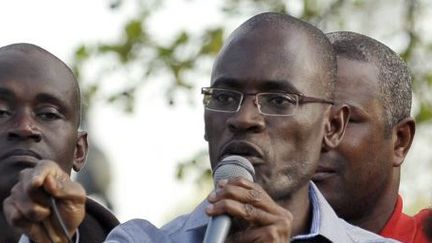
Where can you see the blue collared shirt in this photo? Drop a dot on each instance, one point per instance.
(25, 239)
(190, 228)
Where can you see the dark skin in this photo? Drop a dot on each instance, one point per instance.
(39, 141)
(283, 150)
(360, 178)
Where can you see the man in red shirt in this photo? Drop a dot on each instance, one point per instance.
(427, 225)
(360, 179)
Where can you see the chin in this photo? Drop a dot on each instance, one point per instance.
(281, 190)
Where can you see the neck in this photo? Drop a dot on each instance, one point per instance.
(299, 206)
(379, 215)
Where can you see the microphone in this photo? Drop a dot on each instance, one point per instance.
(230, 167)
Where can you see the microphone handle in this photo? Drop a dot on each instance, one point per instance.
(217, 229)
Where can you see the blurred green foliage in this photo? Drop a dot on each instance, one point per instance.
(171, 60)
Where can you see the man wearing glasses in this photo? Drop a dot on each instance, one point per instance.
(268, 104)
(270, 101)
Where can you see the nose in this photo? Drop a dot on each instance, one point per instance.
(24, 127)
(248, 118)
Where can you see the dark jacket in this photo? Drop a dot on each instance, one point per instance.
(98, 222)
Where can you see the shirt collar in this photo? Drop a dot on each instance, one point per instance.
(198, 218)
(330, 225)
(325, 222)
(400, 226)
(316, 217)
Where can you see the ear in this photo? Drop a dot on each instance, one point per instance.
(81, 150)
(335, 127)
(403, 133)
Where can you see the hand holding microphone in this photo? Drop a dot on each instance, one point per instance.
(237, 196)
(229, 167)
(34, 200)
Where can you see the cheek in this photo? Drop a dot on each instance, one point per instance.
(359, 141)
(213, 125)
(363, 151)
(214, 129)
(296, 141)
(62, 145)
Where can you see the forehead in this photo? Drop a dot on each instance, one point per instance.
(357, 82)
(268, 54)
(30, 74)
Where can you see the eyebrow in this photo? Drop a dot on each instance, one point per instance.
(227, 82)
(52, 99)
(43, 97)
(266, 85)
(5, 93)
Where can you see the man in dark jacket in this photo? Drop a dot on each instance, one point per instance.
(39, 123)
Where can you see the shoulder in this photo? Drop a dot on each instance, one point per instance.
(188, 227)
(104, 215)
(98, 222)
(423, 214)
(137, 230)
(176, 225)
(358, 234)
(424, 222)
(336, 229)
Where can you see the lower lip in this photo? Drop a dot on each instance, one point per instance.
(21, 160)
(320, 176)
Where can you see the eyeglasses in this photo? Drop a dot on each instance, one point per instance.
(269, 104)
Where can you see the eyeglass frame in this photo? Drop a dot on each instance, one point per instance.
(301, 99)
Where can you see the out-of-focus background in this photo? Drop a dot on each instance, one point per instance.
(141, 64)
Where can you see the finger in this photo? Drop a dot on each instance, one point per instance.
(68, 203)
(28, 180)
(30, 209)
(238, 181)
(265, 234)
(248, 212)
(65, 189)
(32, 180)
(48, 179)
(244, 191)
(39, 233)
(12, 214)
(16, 219)
(34, 177)
(52, 233)
(248, 192)
(252, 196)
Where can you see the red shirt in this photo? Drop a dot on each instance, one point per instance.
(405, 228)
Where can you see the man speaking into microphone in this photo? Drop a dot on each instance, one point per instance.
(270, 102)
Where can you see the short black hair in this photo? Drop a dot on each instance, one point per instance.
(395, 81)
(323, 49)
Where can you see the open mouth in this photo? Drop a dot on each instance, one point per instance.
(245, 149)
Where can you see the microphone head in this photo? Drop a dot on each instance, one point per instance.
(233, 166)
